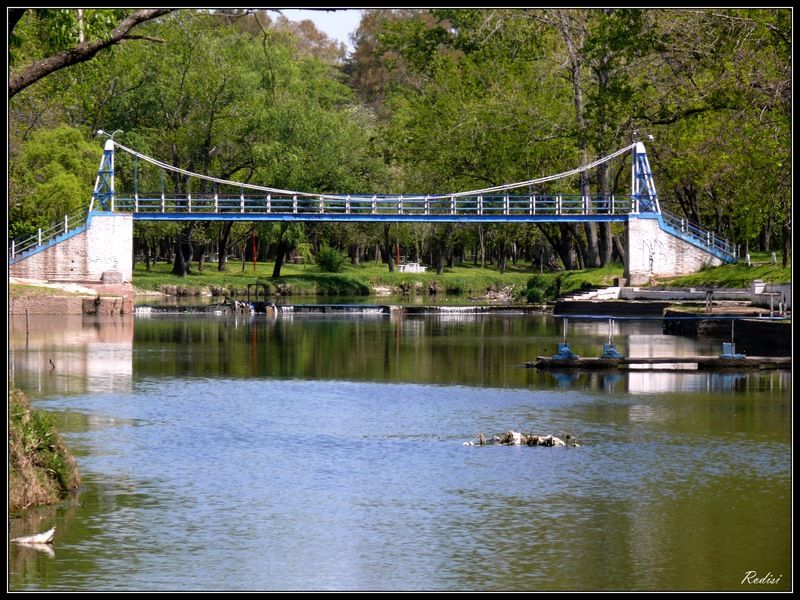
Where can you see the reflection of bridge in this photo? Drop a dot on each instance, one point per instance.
(685, 247)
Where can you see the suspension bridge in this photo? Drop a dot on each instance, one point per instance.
(658, 242)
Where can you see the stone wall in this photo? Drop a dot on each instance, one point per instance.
(106, 246)
(103, 303)
(652, 252)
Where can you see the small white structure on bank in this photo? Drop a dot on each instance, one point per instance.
(412, 268)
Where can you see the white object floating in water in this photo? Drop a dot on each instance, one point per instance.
(40, 538)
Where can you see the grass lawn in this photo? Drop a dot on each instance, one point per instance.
(18, 290)
(738, 275)
(359, 279)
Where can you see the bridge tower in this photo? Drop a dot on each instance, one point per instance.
(103, 192)
(643, 188)
(654, 248)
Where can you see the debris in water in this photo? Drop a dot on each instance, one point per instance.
(516, 438)
(39, 538)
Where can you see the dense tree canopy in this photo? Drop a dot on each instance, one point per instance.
(430, 101)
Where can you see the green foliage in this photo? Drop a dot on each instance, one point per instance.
(734, 276)
(53, 175)
(535, 295)
(459, 99)
(40, 467)
(45, 31)
(541, 288)
(537, 282)
(330, 260)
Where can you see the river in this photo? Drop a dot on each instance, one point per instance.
(326, 452)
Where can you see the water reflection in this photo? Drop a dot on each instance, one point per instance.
(71, 354)
(74, 354)
(43, 548)
(325, 452)
(650, 381)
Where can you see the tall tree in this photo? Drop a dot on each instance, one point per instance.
(73, 28)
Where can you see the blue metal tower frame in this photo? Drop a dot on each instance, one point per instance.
(104, 184)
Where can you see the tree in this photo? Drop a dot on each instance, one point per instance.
(51, 176)
(85, 49)
(286, 235)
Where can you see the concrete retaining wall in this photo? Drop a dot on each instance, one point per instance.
(691, 294)
(107, 245)
(71, 305)
(612, 307)
(762, 294)
(652, 252)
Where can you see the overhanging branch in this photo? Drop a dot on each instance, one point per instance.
(82, 52)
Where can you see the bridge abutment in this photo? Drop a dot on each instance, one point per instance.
(652, 252)
(102, 253)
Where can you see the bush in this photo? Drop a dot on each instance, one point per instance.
(40, 468)
(330, 260)
(535, 295)
(538, 282)
(553, 289)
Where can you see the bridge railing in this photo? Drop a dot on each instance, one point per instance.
(506, 205)
(688, 229)
(76, 220)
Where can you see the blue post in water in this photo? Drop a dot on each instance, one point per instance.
(609, 349)
(729, 348)
(564, 351)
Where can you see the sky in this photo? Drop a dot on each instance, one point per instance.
(337, 24)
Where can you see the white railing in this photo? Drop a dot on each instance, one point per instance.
(45, 236)
(497, 205)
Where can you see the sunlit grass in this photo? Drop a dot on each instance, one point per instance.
(736, 276)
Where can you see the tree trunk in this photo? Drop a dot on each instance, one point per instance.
(482, 241)
(589, 252)
(183, 252)
(179, 267)
(620, 248)
(439, 261)
(786, 231)
(386, 248)
(606, 245)
(222, 250)
(583, 251)
(560, 240)
(201, 258)
(280, 257)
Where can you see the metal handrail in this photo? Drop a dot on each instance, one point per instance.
(508, 204)
(44, 236)
(700, 235)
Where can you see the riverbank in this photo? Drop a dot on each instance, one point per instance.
(33, 297)
(471, 282)
(40, 467)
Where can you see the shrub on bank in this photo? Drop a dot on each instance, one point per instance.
(40, 468)
(330, 260)
(542, 288)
